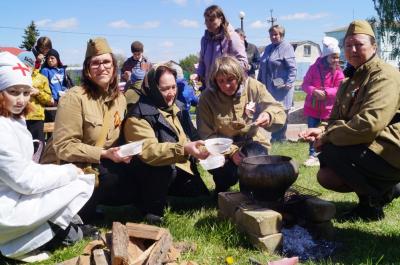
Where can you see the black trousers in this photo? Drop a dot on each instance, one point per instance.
(116, 187)
(154, 184)
(361, 169)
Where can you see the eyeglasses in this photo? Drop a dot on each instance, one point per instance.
(106, 63)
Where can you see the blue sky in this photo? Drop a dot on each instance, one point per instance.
(169, 29)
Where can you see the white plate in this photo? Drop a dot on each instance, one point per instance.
(212, 162)
(130, 149)
(218, 145)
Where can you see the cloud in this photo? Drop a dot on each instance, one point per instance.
(122, 24)
(180, 2)
(206, 2)
(186, 23)
(58, 24)
(167, 44)
(119, 24)
(258, 25)
(304, 16)
(43, 22)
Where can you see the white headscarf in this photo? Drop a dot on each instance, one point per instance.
(13, 72)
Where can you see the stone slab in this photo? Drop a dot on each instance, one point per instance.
(259, 221)
(319, 210)
(271, 243)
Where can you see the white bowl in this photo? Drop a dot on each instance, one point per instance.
(212, 162)
(218, 145)
(130, 149)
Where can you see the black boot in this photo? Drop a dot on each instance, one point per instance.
(392, 194)
(366, 210)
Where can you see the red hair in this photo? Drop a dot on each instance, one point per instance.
(6, 113)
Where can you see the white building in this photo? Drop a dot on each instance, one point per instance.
(385, 44)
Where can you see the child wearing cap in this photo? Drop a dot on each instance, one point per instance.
(321, 83)
(38, 203)
(40, 97)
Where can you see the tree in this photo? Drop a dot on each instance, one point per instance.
(188, 63)
(389, 21)
(120, 60)
(30, 35)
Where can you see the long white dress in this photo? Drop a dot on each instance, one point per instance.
(32, 194)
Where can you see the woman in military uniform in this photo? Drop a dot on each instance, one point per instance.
(227, 107)
(360, 144)
(87, 128)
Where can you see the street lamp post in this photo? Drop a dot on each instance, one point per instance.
(241, 16)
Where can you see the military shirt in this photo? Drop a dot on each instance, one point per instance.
(79, 123)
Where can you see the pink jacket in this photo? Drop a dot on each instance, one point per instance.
(319, 74)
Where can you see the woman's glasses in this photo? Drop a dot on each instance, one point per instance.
(96, 64)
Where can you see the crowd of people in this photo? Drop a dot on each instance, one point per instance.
(354, 128)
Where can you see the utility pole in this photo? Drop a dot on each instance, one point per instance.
(272, 20)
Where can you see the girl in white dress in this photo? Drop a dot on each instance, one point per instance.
(37, 202)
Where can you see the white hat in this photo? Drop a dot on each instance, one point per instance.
(329, 46)
(13, 72)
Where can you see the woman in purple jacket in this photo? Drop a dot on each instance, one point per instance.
(321, 84)
(219, 39)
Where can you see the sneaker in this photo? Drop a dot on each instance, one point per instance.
(312, 161)
(90, 231)
(364, 212)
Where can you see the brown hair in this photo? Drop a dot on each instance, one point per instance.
(227, 66)
(136, 46)
(215, 11)
(280, 28)
(91, 88)
(43, 42)
(6, 113)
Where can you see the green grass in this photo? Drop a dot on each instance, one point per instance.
(299, 95)
(195, 220)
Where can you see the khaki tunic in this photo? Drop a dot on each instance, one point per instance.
(364, 110)
(216, 112)
(79, 123)
(155, 153)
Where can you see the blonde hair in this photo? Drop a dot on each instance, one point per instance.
(227, 66)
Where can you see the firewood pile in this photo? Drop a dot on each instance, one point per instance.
(133, 244)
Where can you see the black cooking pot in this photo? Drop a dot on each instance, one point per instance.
(267, 177)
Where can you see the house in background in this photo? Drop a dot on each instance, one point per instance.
(306, 53)
(385, 44)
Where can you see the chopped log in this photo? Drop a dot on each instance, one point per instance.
(99, 257)
(160, 250)
(141, 259)
(73, 261)
(173, 255)
(119, 248)
(145, 231)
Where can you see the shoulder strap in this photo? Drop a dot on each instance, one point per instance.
(106, 126)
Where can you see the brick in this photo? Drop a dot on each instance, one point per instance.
(323, 230)
(229, 202)
(318, 210)
(271, 243)
(260, 222)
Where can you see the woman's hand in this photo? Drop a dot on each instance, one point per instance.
(195, 149)
(263, 119)
(319, 94)
(112, 154)
(237, 157)
(311, 134)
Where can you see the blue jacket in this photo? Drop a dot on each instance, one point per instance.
(278, 62)
(186, 94)
(56, 77)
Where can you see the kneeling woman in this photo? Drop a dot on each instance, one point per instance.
(167, 156)
(37, 202)
(235, 106)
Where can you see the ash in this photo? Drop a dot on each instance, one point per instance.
(297, 241)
